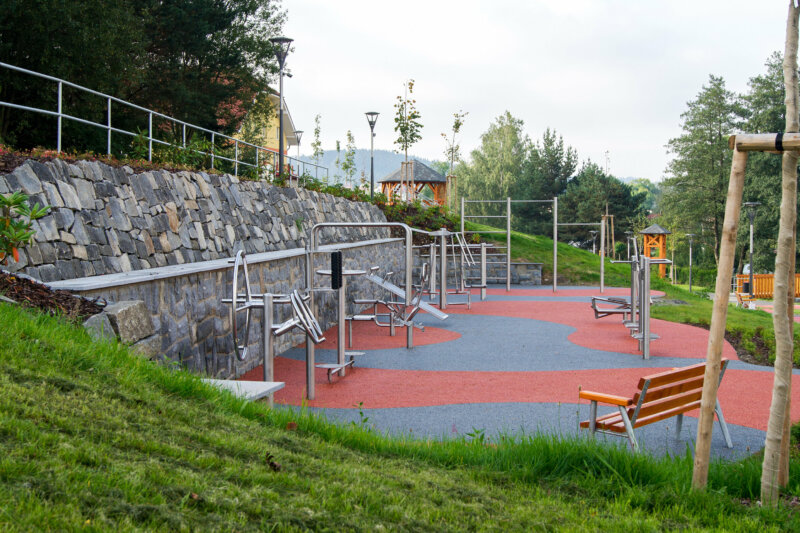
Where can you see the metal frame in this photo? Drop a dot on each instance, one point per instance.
(60, 115)
(508, 201)
(312, 249)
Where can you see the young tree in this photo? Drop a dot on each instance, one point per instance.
(338, 163)
(349, 163)
(408, 127)
(775, 467)
(696, 188)
(316, 145)
(452, 149)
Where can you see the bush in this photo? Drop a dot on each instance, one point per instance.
(16, 217)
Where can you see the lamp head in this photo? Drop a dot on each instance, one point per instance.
(372, 118)
(282, 44)
(298, 134)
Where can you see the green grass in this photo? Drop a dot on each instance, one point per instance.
(575, 266)
(94, 438)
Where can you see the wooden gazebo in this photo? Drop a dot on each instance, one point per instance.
(417, 177)
(655, 239)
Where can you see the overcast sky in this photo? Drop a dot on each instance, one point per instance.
(608, 75)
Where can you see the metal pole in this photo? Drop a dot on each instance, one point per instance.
(310, 355)
(371, 162)
(483, 271)
(410, 284)
(432, 260)
(235, 158)
(646, 310)
(108, 121)
(555, 243)
(462, 215)
(602, 255)
(213, 144)
(752, 215)
(58, 132)
(690, 265)
(443, 269)
(269, 343)
(150, 136)
(280, 126)
(183, 134)
(340, 349)
(508, 243)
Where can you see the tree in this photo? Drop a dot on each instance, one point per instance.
(651, 193)
(775, 469)
(316, 146)
(551, 165)
(349, 163)
(452, 149)
(588, 195)
(497, 164)
(695, 190)
(202, 61)
(407, 126)
(338, 162)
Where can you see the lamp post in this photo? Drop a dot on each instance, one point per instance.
(594, 236)
(690, 236)
(372, 118)
(298, 135)
(282, 44)
(751, 213)
(628, 241)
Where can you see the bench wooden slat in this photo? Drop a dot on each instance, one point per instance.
(666, 404)
(656, 393)
(671, 376)
(605, 398)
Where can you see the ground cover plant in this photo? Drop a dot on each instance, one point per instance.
(95, 438)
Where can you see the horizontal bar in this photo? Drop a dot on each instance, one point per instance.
(485, 216)
(487, 231)
(765, 142)
(579, 223)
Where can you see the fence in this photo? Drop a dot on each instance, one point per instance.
(763, 284)
(265, 158)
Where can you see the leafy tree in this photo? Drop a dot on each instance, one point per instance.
(587, 196)
(316, 146)
(203, 61)
(497, 165)
(452, 150)
(349, 163)
(650, 190)
(406, 123)
(695, 190)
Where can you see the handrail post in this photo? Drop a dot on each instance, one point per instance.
(258, 167)
(213, 144)
(555, 243)
(235, 158)
(58, 133)
(183, 134)
(269, 342)
(462, 215)
(150, 136)
(108, 140)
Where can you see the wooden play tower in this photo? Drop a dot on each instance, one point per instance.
(655, 245)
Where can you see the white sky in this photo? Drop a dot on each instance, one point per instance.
(608, 75)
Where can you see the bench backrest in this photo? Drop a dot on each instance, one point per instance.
(669, 393)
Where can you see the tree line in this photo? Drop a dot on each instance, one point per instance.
(509, 164)
(696, 183)
(201, 61)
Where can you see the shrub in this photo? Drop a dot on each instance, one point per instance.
(16, 218)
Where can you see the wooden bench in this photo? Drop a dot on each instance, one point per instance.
(743, 300)
(660, 396)
(621, 307)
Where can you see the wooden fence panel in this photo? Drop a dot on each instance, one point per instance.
(763, 284)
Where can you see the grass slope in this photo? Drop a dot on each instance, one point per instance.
(94, 438)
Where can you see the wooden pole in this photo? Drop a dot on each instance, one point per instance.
(765, 142)
(716, 337)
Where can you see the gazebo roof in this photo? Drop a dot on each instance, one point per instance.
(655, 229)
(420, 173)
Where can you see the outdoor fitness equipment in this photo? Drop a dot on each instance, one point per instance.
(243, 301)
(452, 242)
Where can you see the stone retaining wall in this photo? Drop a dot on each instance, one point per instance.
(107, 220)
(194, 325)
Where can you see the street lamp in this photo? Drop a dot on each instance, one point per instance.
(690, 236)
(594, 236)
(282, 44)
(298, 135)
(372, 118)
(751, 212)
(628, 240)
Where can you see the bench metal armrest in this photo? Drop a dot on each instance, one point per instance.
(605, 398)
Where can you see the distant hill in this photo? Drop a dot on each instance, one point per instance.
(386, 161)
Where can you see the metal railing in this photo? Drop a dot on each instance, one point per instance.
(264, 159)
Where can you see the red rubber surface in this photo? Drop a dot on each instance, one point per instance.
(745, 395)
